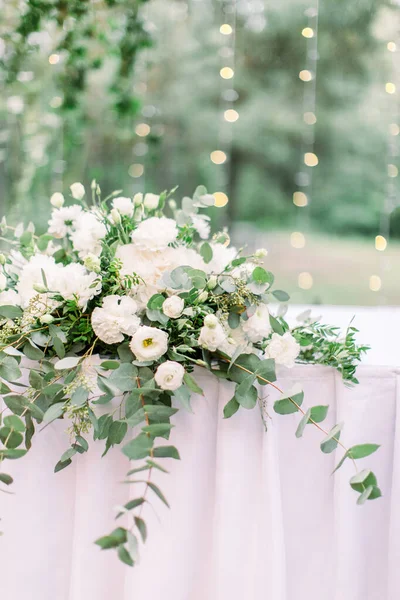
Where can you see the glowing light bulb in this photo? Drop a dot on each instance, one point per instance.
(300, 199)
(380, 243)
(390, 88)
(54, 59)
(142, 129)
(297, 239)
(308, 32)
(226, 29)
(310, 159)
(231, 115)
(305, 75)
(375, 283)
(310, 118)
(221, 199)
(305, 281)
(136, 170)
(226, 73)
(218, 157)
(391, 46)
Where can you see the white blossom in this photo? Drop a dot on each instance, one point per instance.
(155, 233)
(75, 283)
(138, 199)
(116, 317)
(169, 375)
(115, 216)
(124, 206)
(92, 263)
(10, 298)
(65, 220)
(173, 307)
(88, 235)
(222, 256)
(212, 334)
(77, 190)
(151, 201)
(202, 226)
(149, 343)
(283, 349)
(31, 277)
(57, 200)
(258, 327)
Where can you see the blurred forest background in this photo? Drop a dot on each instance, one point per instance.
(131, 93)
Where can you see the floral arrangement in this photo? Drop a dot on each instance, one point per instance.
(117, 302)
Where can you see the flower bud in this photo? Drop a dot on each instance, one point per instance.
(46, 319)
(151, 201)
(57, 200)
(212, 282)
(92, 263)
(93, 185)
(40, 289)
(202, 297)
(77, 190)
(138, 199)
(172, 204)
(261, 253)
(115, 216)
(2, 259)
(211, 321)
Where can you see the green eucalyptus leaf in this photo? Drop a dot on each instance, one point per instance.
(281, 295)
(302, 425)
(192, 384)
(10, 312)
(166, 452)
(117, 432)
(231, 408)
(206, 252)
(124, 556)
(124, 378)
(329, 444)
(6, 479)
(246, 394)
(276, 326)
(158, 492)
(318, 413)
(139, 447)
(362, 450)
(14, 422)
(53, 412)
(157, 429)
(32, 352)
(182, 395)
(10, 438)
(289, 404)
(116, 537)
(141, 525)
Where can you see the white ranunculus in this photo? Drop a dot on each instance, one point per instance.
(202, 226)
(258, 327)
(88, 235)
(57, 200)
(75, 283)
(222, 256)
(116, 317)
(151, 201)
(173, 307)
(3, 282)
(149, 343)
(10, 298)
(65, 220)
(283, 349)
(169, 375)
(77, 190)
(124, 206)
(155, 233)
(212, 334)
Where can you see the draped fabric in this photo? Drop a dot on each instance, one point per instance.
(254, 515)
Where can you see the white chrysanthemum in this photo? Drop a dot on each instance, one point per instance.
(155, 233)
(75, 283)
(115, 318)
(88, 235)
(169, 375)
(124, 206)
(149, 343)
(9, 298)
(212, 334)
(31, 277)
(258, 327)
(222, 256)
(202, 226)
(65, 220)
(283, 349)
(173, 307)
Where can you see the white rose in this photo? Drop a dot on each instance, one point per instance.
(212, 335)
(138, 199)
(169, 375)
(77, 190)
(3, 282)
(124, 206)
(115, 318)
(149, 343)
(283, 349)
(173, 307)
(155, 233)
(57, 200)
(151, 201)
(258, 327)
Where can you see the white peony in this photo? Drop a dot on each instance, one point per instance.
(115, 318)
(75, 283)
(169, 375)
(88, 235)
(65, 220)
(77, 190)
(151, 201)
(155, 233)
(212, 335)
(283, 349)
(258, 327)
(149, 343)
(222, 256)
(124, 206)
(9, 298)
(3, 282)
(173, 307)
(202, 226)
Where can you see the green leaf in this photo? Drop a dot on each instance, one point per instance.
(124, 378)
(67, 363)
(141, 525)
(10, 438)
(12, 453)
(281, 295)
(36, 380)
(53, 412)
(43, 241)
(166, 452)
(365, 495)
(233, 320)
(9, 369)
(192, 384)
(132, 405)
(156, 302)
(62, 465)
(133, 546)
(302, 425)
(159, 411)
(14, 422)
(33, 352)
(59, 347)
(246, 394)
(124, 556)
(260, 276)
(116, 537)
(362, 480)
(287, 405)
(112, 365)
(79, 397)
(103, 426)
(330, 443)
(124, 353)
(266, 369)
(231, 408)
(206, 252)
(158, 492)
(318, 413)
(117, 432)
(157, 429)
(182, 394)
(6, 479)
(139, 447)
(276, 326)
(11, 312)
(362, 450)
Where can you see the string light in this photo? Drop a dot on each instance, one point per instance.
(218, 157)
(231, 115)
(375, 283)
(310, 159)
(226, 29)
(142, 129)
(308, 32)
(300, 199)
(136, 170)
(390, 88)
(221, 199)
(305, 281)
(380, 243)
(297, 239)
(227, 73)
(54, 59)
(391, 46)
(306, 75)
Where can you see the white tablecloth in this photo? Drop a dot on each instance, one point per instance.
(254, 515)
